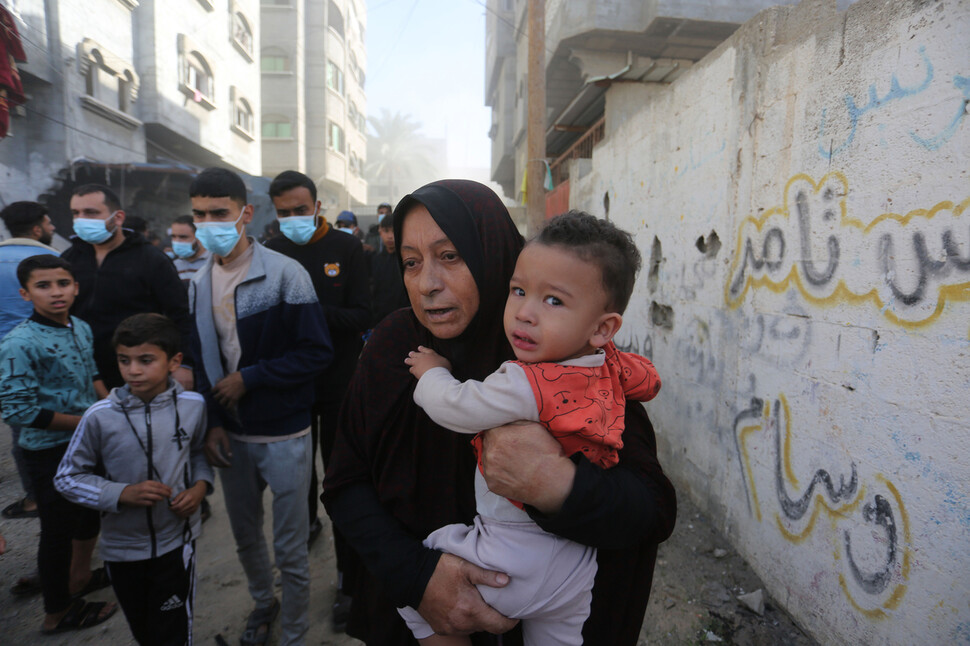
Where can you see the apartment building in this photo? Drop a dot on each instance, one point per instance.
(136, 94)
(590, 44)
(314, 118)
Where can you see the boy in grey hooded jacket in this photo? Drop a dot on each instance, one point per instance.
(148, 435)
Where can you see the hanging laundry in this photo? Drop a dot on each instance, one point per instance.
(11, 53)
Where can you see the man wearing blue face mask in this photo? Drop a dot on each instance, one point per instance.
(338, 269)
(261, 339)
(190, 255)
(120, 274)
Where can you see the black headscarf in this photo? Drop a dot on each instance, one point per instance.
(478, 224)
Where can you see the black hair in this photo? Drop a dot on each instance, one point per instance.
(30, 264)
(290, 179)
(185, 219)
(218, 182)
(385, 205)
(22, 217)
(387, 222)
(110, 198)
(600, 242)
(155, 329)
(136, 223)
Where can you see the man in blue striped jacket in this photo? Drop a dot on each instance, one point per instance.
(259, 340)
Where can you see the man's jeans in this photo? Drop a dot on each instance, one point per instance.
(285, 467)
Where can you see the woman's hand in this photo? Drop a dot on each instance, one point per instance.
(452, 604)
(522, 461)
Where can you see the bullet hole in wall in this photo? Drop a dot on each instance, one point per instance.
(662, 315)
(656, 255)
(710, 246)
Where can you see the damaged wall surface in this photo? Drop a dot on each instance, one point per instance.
(802, 203)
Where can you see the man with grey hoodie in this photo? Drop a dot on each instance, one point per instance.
(149, 436)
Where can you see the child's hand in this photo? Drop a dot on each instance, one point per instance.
(185, 504)
(144, 494)
(424, 359)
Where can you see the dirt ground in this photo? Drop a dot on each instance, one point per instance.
(694, 598)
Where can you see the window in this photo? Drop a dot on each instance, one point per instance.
(356, 117)
(195, 74)
(110, 83)
(277, 127)
(335, 78)
(198, 75)
(356, 164)
(242, 35)
(242, 114)
(352, 113)
(335, 137)
(275, 3)
(336, 18)
(274, 59)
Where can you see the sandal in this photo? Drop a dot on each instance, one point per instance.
(26, 586)
(16, 510)
(98, 581)
(258, 625)
(82, 614)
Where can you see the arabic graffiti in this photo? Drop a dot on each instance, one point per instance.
(827, 146)
(872, 585)
(908, 266)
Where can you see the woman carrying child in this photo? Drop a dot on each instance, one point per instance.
(396, 476)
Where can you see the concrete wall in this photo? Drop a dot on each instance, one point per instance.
(802, 203)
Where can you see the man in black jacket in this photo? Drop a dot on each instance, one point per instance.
(120, 274)
(337, 266)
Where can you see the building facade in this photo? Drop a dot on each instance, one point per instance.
(313, 62)
(590, 45)
(136, 94)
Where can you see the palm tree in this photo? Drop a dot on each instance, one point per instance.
(396, 153)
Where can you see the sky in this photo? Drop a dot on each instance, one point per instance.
(426, 58)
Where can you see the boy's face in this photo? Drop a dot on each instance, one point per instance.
(387, 237)
(145, 368)
(52, 291)
(557, 306)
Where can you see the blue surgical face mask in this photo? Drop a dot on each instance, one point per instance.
(219, 237)
(345, 228)
(299, 228)
(93, 230)
(183, 249)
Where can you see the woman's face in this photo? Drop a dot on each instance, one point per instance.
(441, 288)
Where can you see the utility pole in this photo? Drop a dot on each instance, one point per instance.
(536, 128)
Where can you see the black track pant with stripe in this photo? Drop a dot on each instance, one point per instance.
(157, 596)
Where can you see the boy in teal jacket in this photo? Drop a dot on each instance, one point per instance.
(47, 380)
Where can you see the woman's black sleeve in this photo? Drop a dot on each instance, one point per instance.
(386, 548)
(616, 508)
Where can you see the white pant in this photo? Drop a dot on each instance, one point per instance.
(550, 578)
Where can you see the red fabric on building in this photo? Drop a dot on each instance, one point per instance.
(557, 200)
(11, 52)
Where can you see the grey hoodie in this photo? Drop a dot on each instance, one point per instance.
(163, 451)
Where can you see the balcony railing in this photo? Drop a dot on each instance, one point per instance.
(582, 148)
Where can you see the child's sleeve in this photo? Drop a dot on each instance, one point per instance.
(639, 377)
(201, 469)
(504, 397)
(19, 385)
(75, 478)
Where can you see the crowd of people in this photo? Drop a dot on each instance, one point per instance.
(130, 378)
